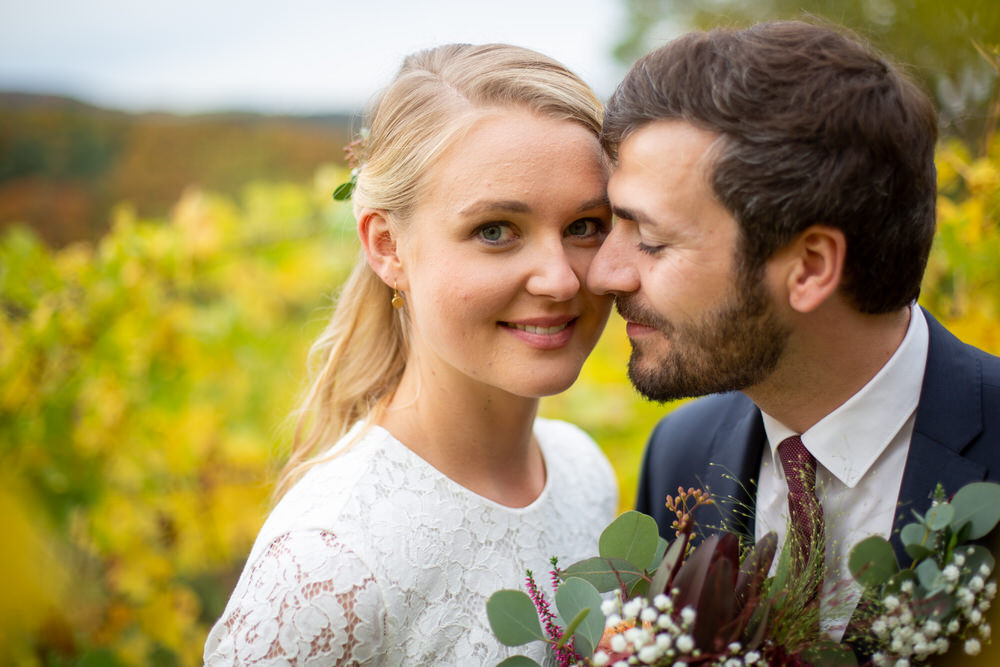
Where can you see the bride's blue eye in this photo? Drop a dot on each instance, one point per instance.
(586, 227)
(491, 232)
(495, 233)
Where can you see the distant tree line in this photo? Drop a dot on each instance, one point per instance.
(65, 164)
(952, 46)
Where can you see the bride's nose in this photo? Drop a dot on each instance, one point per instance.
(552, 275)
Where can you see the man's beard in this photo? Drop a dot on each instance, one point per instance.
(732, 347)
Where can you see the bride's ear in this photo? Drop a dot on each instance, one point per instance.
(379, 245)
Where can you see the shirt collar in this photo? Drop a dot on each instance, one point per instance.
(851, 438)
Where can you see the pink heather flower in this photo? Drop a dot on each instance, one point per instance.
(565, 655)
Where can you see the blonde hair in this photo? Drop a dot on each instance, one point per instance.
(359, 359)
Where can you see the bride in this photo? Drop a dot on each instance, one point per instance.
(421, 480)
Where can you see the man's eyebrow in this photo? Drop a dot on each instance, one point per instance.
(488, 205)
(630, 215)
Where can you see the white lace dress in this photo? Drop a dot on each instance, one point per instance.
(376, 558)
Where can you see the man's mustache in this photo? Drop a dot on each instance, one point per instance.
(630, 310)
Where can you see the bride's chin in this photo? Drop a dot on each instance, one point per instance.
(548, 386)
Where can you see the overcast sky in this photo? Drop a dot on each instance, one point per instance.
(301, 56)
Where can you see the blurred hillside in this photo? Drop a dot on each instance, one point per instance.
(64, 164)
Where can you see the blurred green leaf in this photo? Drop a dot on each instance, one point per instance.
(895, 583)
(917, 551)
(872, 561)
(976, 556)
(915, 537)
(929, 575)
(978, 504)
(939, 516)
(913, 533)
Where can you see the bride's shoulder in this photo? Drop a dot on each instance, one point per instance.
(347, 475)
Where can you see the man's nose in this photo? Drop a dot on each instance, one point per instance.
(613, 270)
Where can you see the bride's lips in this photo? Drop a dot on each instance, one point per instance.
(542, 333)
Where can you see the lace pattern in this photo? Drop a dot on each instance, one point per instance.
(307, 601)
(376, 558)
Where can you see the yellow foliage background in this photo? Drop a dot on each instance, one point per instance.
(146, 382)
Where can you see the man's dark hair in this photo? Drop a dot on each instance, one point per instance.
(815, 128)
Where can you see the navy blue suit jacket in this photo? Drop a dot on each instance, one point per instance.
(717, 442)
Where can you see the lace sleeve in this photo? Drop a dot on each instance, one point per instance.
(308, 600)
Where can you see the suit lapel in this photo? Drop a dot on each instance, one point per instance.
(734, 453)
(949, 417)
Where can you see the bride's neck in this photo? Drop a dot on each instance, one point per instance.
(480, 437)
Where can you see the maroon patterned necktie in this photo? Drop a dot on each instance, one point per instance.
(804, 508)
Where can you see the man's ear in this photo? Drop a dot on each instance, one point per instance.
(379, 245)
(815, 266)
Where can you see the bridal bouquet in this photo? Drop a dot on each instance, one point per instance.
(644, 601)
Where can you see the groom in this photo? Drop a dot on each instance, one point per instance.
(775, 199)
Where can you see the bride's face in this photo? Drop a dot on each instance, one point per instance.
(495, 255)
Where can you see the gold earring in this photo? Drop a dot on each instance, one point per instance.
(397, 298)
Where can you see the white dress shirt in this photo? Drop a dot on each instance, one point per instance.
(860, 450)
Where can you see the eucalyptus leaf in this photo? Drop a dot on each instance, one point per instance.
(961, 536)
(632, 536)
(513, 617)
(661, 549)
(574, 596)
(915, 538)
(939, 517)
(895, 583)
(872, 561)
(917, 551)
(604, 574)
(640, 589)
(518, 661)
(977, 504)
(914, 533)
(975, 557)
(929, 575)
